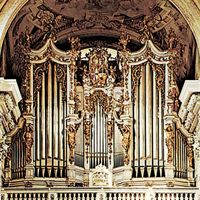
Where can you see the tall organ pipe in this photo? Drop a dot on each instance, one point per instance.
(136, 124)
(160, 128)
(49, 113)
(43, 120)
(38, 127)
(142, 116)
(155, 143)
(101, 133)
(148, 113)
(55, 116)
(60, 125)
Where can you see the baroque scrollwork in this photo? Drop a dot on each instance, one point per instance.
(61, 76)
(38, 73)
(136, 75)
(104, 100)
(160, 77)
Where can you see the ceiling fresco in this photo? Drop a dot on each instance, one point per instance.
(101, 22)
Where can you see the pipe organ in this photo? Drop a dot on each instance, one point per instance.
(50, 99)
(148, 108)
(96, 107)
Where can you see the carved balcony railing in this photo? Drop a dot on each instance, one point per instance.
(101, 194)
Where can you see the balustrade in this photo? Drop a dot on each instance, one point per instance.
(102, 194)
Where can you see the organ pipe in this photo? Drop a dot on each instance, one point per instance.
(148, 112)
(136, 125)
(38, 127)
(49, 112)
(142, 115)
(55, 117)
(43, 120)
(60, 124)
(100, 135)
(62, 137)
(160, 126)
(155, 143)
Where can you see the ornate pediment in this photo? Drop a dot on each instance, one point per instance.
(100, 177)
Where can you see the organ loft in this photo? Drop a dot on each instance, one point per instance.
(99, 100)
(99, 108)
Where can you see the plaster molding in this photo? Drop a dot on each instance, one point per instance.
(190, 109)
(189, 87)
(10, 85)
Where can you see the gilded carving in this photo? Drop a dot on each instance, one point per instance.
(75, 43)
(8, 157)
(28, 140)
(169, 142)
(190, 152)
(173, 94)
(61, 78)
(123, 41)
(71, 135)
(87, 103)
(136, 75)
(160, 77)
(3, 150)
(87, 131)
(104, 100)
(74, 53)
(110, 129)
(99, 74)
(120, 105)
(126, 138)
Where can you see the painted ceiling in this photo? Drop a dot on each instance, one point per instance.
(101, 22)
